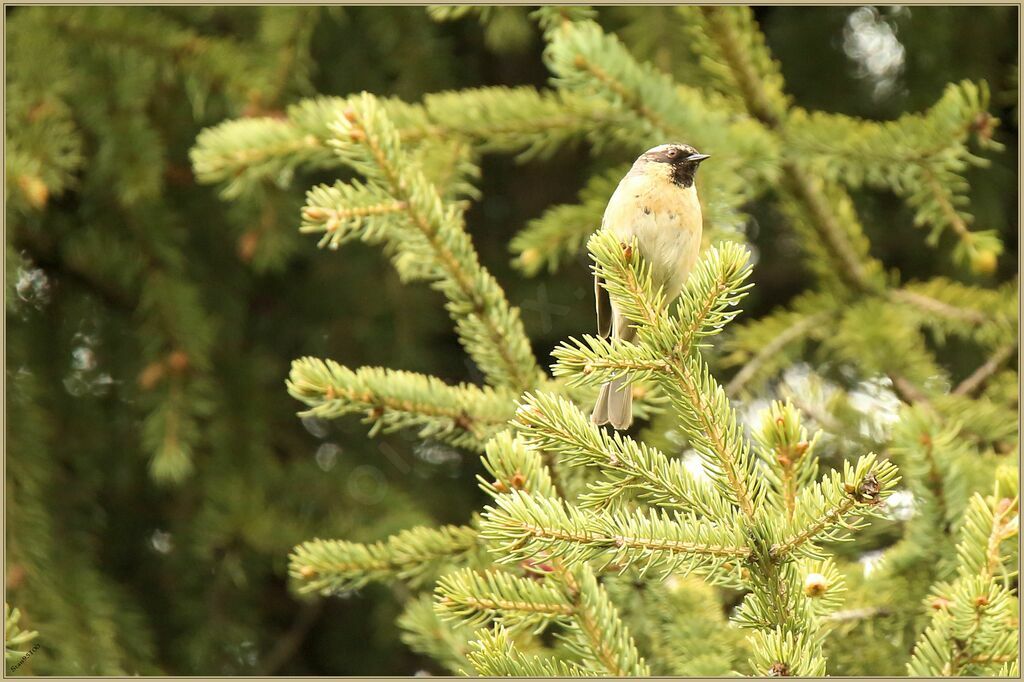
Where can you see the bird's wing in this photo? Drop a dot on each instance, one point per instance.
(604, 308)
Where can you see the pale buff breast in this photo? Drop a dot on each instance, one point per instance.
(666, 220)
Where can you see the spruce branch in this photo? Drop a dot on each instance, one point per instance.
(549, 422)
(788, 454)
(948, 307)
(988, 420)
(463, 415)
(529, 123)
(828, 511)
(415, 556)
(170, 432)
(707, 303)
(522, 526)
(600, 634)
(44, 147)
(219, 62)
(988, 525)
(880, 339)
(783, 653)
(242, 153)
(732, 32)
(971, 632)
(496, 655)
(514, 465)
(918, 156)
(715, 433)
(426, 633)
(832, 232)
(346, 211)
(15, 637)
(489, 328)
(733, 50)
(515, 602)
(593, 360)
(571, 598)
(935, 462)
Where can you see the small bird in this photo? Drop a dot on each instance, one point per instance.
(656, 202)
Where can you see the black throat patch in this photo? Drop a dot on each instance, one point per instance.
(683, 172)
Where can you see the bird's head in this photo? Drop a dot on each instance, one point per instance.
(676, 163)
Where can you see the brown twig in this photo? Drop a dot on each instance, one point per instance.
(978, 377)
(909, 393)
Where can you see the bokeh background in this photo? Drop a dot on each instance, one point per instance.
(157, 475)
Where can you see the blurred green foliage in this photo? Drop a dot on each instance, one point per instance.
(156, 474)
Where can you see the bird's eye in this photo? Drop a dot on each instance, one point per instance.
(672, 153)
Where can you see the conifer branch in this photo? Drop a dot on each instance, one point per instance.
(840, 233)
(715, 286)
(780, 652)
(496, 655)
(426, 633)
(489, 328)
(463, 415)
(973, 628)
(516, 466)
(15, 637)
(602, 636)
(513, 602)
(415, 556)
(220, 61)
(987, 525)
(789, 456)
(549, 422)
(523, 526)
(918, 156)
(524, 121)
(494, 595)
(936, 306)
(244, 152)
(712, 424)
(828, 510)
(828, 210)
(751, 70)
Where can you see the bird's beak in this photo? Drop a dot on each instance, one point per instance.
(698, 157)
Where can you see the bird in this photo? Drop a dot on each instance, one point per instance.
(656, 202)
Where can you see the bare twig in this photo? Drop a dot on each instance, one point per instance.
(978, 377)
(750, 369)
(909, 393)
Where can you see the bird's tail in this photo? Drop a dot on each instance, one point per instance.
(614, 405)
